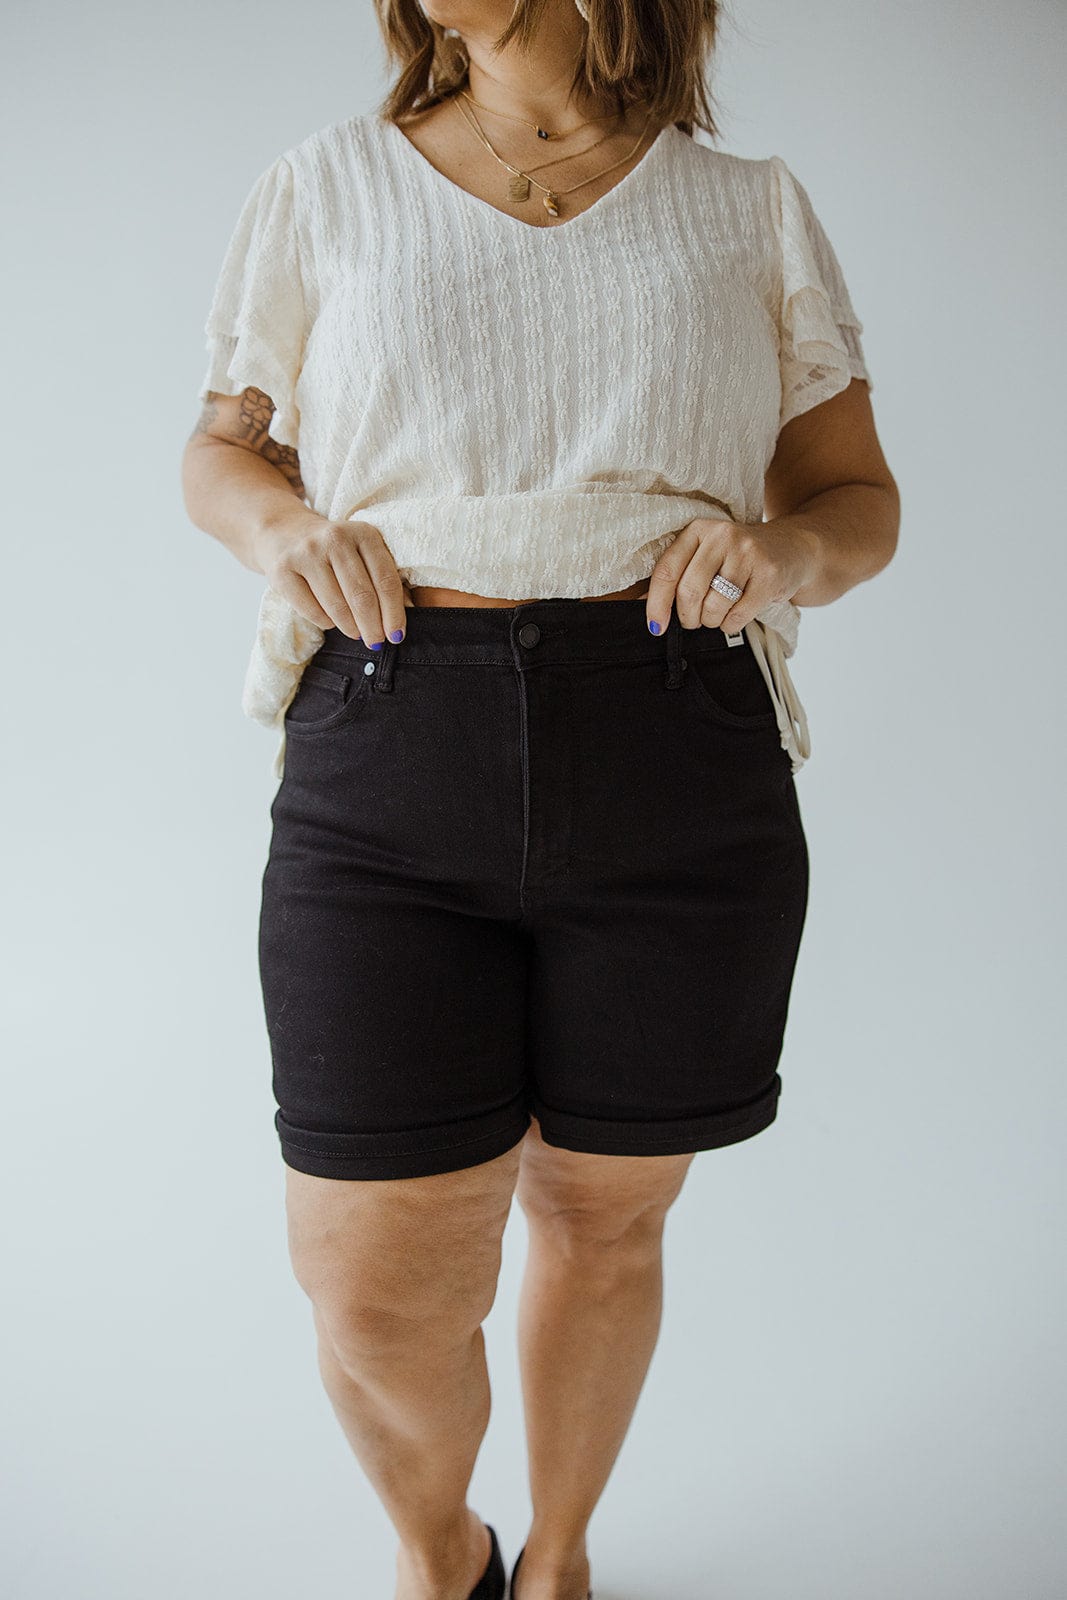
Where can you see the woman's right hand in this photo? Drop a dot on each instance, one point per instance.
(336, 575)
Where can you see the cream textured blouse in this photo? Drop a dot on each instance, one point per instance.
(526, 410)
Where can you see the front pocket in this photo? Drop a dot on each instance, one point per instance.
(325, 698)
(729, 686)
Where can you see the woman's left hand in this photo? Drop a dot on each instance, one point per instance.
(765, 563)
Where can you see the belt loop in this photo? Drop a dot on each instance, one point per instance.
(383, 674)
(675, 660)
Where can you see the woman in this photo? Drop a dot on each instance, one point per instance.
(542, 420)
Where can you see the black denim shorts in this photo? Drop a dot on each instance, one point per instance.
(530, 861)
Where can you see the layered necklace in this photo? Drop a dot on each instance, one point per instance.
(520, 179)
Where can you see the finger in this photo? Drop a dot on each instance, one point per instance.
(697, 604)
(741, 612)
(297, 591)
(388, 584)
(357, 589)
(344, 589)
(665, 577)
(329, 569)
(717, 608)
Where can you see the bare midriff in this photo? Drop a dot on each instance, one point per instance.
(422, 596)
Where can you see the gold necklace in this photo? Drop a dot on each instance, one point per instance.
(542, 133)
(556, 159)
(520, 181)
(541, 165)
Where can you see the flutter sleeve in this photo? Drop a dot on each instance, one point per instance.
(257, 324)
(820, 348)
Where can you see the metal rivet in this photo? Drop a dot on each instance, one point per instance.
(368, 669)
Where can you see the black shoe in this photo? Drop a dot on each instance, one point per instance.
(514, 1570)
(493, 1583)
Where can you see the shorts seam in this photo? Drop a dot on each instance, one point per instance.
(758, 1112)
(611, 1128)
(426, 1149)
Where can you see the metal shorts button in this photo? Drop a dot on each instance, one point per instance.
(529, 633)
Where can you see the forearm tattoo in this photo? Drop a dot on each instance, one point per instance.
(250, 429)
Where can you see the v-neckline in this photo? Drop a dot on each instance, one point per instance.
(509, 218)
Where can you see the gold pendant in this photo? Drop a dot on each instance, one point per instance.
(551, 204)
(518, 186)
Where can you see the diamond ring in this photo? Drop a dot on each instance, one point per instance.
(725, 587)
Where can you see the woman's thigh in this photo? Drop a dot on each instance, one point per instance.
(378, 1256)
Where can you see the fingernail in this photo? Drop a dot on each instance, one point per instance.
(379, 646)
(653, 626)
(396, 635)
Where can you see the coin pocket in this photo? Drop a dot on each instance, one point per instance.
(324, 699)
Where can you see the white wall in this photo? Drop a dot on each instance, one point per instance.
(858, 1390)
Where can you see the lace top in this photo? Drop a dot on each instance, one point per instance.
(526, 410)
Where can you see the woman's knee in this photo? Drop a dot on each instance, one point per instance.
(607, 1206)
(387, 1263)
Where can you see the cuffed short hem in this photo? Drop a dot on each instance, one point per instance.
(680, 1136)
(406, 1153)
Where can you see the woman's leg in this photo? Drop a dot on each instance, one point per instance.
(589, 1319)
(401, 1274)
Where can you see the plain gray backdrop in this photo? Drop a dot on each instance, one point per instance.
(858, 1392)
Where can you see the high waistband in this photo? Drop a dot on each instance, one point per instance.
(570, 629)
(554, 631)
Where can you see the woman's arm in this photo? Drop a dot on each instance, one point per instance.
(244, 488)
(238, 483)
(832, 517)
(829, 485)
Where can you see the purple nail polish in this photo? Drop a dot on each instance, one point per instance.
(396, 635)
(379, 646)
(653, 626)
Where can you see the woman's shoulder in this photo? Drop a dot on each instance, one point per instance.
(734, 191)
(340, 142)
(728, 175)
(728, 165)
(334, 171)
